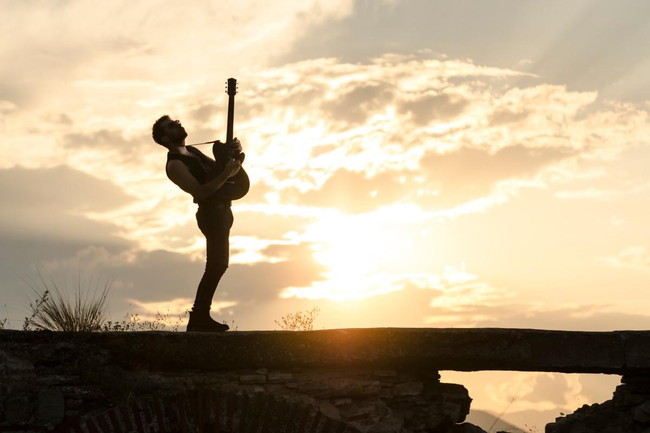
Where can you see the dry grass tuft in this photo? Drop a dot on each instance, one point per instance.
(54, 310)
(300, 321)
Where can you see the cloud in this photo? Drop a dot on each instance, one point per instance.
(470, 173)
(344, 141)
(124, 151)
(539, 392)
(439, 107)
(139, 46)
(510, 313)
(325, 134)
(635, 257)
(176, 306)
(49, 206)
(154, 276)
(356, 193)
(354, 104)
(61, 188)
(443, 180)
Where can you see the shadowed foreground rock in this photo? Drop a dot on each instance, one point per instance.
(627, 412)
(374, 380)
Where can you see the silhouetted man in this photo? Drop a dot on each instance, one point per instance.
(206, 180)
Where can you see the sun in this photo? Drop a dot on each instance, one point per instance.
(359, 252)
(347, 247)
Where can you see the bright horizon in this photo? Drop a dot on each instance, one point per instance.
(413, 164)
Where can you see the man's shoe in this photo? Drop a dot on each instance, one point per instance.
(205, 323)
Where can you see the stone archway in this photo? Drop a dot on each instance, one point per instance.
(207, 411)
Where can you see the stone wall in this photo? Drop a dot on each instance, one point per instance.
(74, 384)
(368, 380)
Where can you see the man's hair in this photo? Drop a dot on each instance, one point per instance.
(158, 131)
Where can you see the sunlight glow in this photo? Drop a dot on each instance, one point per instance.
(361, 253)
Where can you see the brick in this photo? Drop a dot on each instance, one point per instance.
(150, 415)
(159, 412)
(182, 404)
(267, 409)
(91, 426)
(280, 377)
(102, 421)
(126, 417)
(384, 373)
(341, 401)
(114, 417)
(172, 413)
(252, 378)
(138, 418)
(408, 388)
(317, 422)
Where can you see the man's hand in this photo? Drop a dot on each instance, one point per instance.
(232, 167)
(235, 146)
(231, 149)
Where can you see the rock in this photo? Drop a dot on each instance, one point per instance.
(641, 413)
(385, 373)
(467, 428)
(409, 388)
(18, 410)
(280, 377)
(578, 427)
(329, 410)
(50, 407)
(390, 425)
(252, 378)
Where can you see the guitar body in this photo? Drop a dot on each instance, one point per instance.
(237, 186)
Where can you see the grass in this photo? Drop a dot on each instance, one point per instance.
(133, 322)
(54, 310)
(300, 321)
(85, 310)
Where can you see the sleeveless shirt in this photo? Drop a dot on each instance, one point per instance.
(200, 166)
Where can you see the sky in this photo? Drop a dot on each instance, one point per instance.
(414, 163)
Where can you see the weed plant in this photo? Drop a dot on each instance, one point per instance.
(300, 321)
(133, 322)
(55, 311)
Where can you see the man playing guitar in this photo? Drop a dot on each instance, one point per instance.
(213, 184)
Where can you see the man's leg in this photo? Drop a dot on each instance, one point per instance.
(207, 287)
(215, 224)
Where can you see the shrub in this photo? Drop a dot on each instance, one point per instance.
(133, 322)
(300, 321)
(55, 311)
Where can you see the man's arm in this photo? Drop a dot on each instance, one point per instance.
(178, 173)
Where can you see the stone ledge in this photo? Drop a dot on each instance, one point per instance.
(616, 352)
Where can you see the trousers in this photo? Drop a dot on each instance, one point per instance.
(215, 221)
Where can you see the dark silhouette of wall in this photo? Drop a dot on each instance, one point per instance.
(368, 380)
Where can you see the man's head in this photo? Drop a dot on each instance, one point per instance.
(168, 132)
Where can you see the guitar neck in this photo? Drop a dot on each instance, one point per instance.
(231, 108)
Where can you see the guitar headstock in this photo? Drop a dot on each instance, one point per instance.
(231, 87)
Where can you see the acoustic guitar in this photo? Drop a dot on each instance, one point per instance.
(237, 186)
